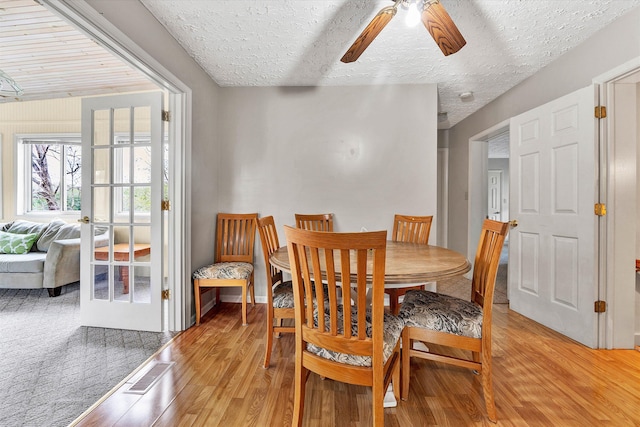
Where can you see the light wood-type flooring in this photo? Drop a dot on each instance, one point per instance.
(540, 377)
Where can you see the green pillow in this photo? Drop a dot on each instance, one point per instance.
(12, 243)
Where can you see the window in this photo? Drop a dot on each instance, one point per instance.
(49, 173)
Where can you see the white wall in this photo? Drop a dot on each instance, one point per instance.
(344, 150)
(608, 48)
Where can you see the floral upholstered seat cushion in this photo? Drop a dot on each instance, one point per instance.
(393, 326)
(443, 313)
(224, 270)
(283, 295)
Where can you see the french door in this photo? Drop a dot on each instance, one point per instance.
(122, 187)
(553, 266)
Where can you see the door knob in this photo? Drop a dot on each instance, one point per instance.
(84, 219)
(513, 223)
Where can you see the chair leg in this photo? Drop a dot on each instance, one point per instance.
(196, 292)
(406, 361)
(377, 393)
(300, 383)
(269, 343)
(252, 287)
(244, 306)
(394, 307)
(487, 386)
(395, 378)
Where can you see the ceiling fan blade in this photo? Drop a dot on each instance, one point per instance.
(441, 27)
(371, 32)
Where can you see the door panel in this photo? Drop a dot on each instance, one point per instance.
(495, 195)
(552, 252)
(122, 136)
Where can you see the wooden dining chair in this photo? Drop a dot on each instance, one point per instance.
(279, 292)
(412, 229)
(316, 222)
(440, 319)
(346, 341)
(233, 265)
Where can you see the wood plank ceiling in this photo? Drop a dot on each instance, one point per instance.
(50, 59)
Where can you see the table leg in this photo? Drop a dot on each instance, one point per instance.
(124, 276)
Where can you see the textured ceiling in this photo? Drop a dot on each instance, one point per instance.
(499, 146)
(300, 43)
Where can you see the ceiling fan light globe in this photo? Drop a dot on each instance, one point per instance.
(412, 18)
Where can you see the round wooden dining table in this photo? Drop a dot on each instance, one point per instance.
(407, 264)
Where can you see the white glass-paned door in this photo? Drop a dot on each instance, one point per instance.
(122, 183)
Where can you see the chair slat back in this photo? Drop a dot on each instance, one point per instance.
(325, 320)
(412, 229)
(235, 235)
(270, 243)
(315, 222)
(485, 267)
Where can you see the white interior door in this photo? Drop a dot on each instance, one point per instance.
(122, 181)
(494, 202)
(552, 251)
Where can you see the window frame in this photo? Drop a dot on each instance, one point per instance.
(24, 181)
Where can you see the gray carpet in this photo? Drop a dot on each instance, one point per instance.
(53, 369)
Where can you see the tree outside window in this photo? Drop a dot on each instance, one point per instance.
(55, 177)
(48, 176)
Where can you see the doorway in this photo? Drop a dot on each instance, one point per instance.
(488, 150)
(178, 260)
(620, 135)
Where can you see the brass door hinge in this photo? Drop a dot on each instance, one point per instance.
(600, 306)
(166, 205)
(166, 294)
(166, 116)
(601, 112)
(600, 209)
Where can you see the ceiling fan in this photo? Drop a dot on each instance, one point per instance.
(434, 17)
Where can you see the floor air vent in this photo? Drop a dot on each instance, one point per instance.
(149, 378)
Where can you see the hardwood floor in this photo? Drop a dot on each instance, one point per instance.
(540, 377)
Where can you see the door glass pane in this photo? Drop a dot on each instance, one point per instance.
(122, 121)
(101, 282)
(101, 161)
(142, 201)
(141, 261)
(101, 127)
(141, 284)
(121, 235)
(142, 123)
(100, 241)
(120, 282)
(142, 167)
(121, 197)
(142, 236)
(101, 204)
(122, 166)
